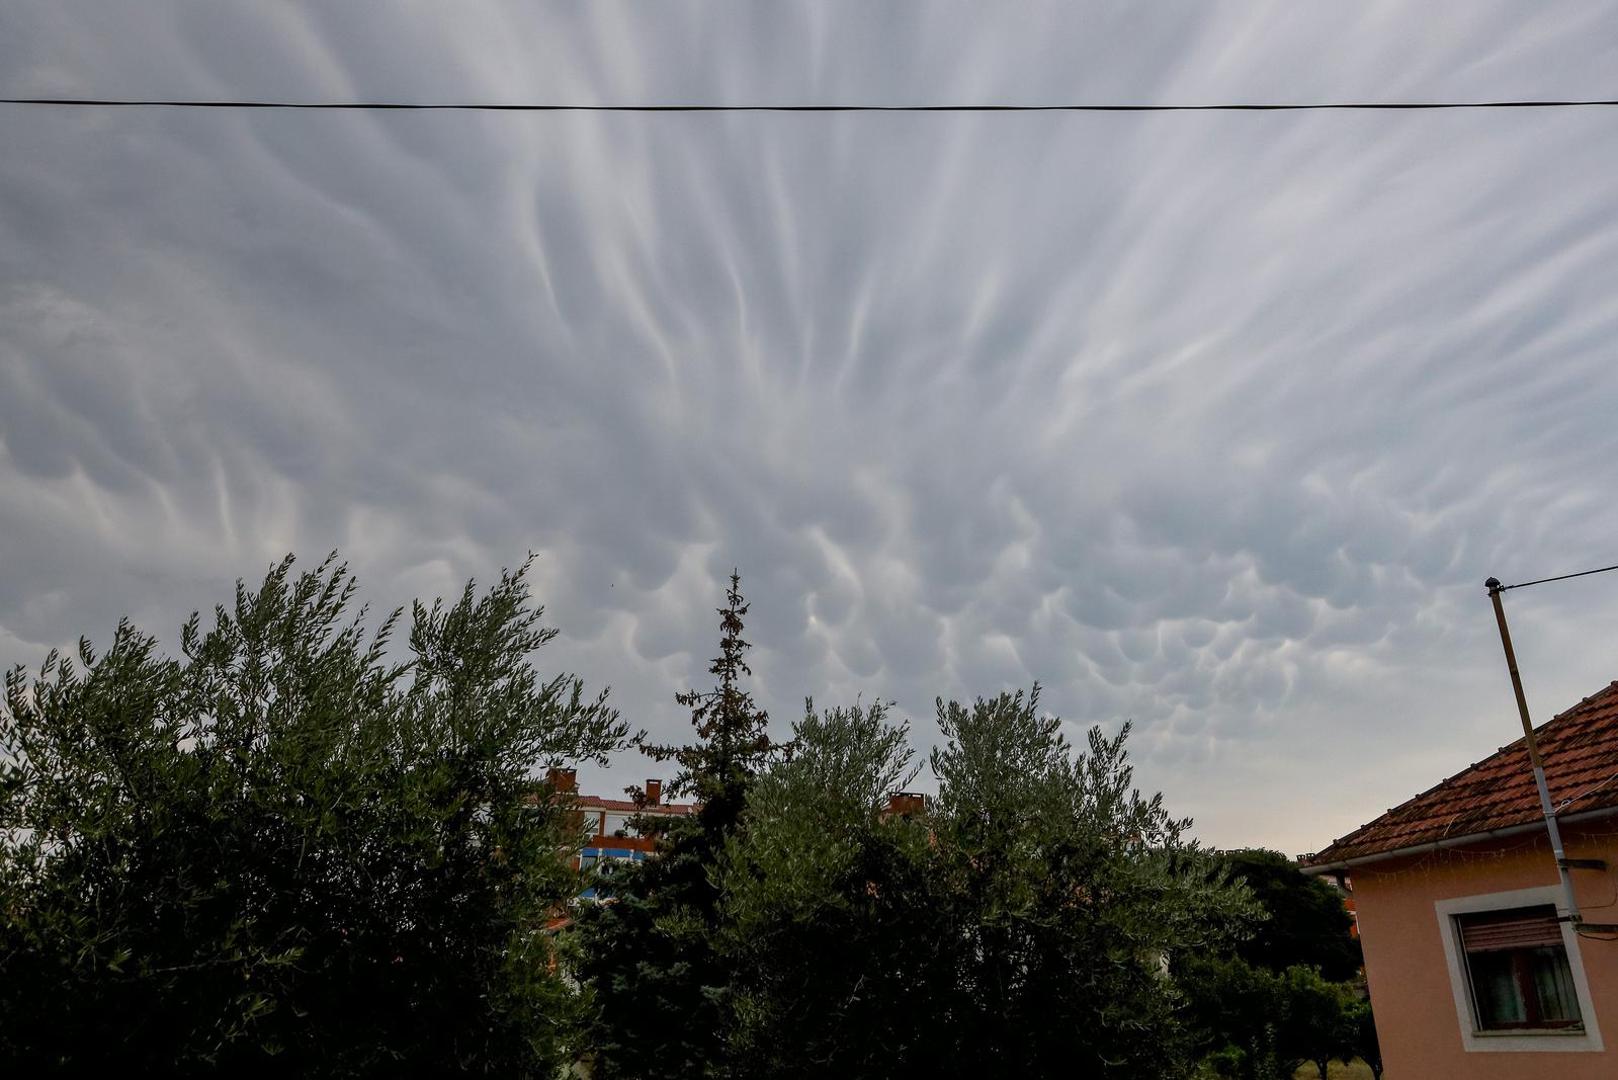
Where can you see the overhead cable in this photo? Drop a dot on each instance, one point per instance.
(382, 106)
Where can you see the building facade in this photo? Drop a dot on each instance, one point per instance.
(611, 833)
(1476, 965)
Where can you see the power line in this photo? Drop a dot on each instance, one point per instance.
(1540, 581)
(380, 106)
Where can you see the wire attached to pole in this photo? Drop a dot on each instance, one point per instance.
(1571, 914)
(1493, 584)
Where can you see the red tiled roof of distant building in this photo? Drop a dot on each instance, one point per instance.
(628, 806)
(1580, 752)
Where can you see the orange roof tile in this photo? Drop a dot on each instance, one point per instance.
(1580, 751)
(596, 802)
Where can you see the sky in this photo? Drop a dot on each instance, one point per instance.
(1212, 422)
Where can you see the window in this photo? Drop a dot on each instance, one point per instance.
(1517, 968)
(1517, 973)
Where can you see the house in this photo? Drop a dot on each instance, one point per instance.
(611, 833)
(611, 824)
(1475, 969)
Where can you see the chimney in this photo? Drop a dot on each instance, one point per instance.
(654, 792)
(561, 780)
(906, 804)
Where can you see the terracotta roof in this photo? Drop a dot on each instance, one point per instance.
(596, 802)
(1580, 751)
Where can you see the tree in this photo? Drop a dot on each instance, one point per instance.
(1235, 1012)
(651, 957)
(1063, 890)
(1362, 1042)
(831, 927)
(284, 850)
(1258, 1024)
(1017, 926)
(1279, 997)
(1313, 1018)
(733, 741)
(1307, 924)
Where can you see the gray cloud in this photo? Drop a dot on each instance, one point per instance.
(1211, 421)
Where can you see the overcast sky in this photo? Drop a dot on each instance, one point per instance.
(1212, 421)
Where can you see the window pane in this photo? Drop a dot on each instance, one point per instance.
(1499, 1001)
(1553, 983)
(1518, 969)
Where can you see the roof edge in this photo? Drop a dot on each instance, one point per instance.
(1315, 869)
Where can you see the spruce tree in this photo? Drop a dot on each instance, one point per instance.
(650, 953)
(732, 742)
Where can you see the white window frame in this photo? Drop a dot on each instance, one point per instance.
(1475, 1041)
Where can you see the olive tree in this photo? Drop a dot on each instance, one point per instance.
(295, 843)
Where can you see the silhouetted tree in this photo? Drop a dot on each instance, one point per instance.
(651, 957)
(285, 851)
(733, 743)
(1017, 927)
(832, 927)
(1281, 995)
(1307, 924)
(1313, 1018)
(1063, 890)
(1361, 1031)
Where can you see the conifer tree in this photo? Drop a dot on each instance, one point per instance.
(651, 954)
(732, 742)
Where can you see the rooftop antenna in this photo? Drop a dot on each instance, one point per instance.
(1572, 914)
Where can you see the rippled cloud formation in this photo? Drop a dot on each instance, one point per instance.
(1215, 422)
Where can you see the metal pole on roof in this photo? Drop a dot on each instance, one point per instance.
(1572, 913)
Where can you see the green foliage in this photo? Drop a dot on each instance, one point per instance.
(1064, 890)
(1257, 1024)
(651, 957)
(1016, 927)
(1314, 1023)
(807, 817)
(1359, 1031)
(1284, 995)
(288, 848)
(1020, 926)
(831, 925)
(650, 964)
(1307, 924)
(284, 849)
(732, 743)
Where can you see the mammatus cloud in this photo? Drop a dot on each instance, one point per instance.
(1215, 422)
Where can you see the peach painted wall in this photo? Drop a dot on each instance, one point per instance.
(1409, 978)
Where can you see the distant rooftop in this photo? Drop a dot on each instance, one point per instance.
(564, 782)
(596, 802)
(1580, 751)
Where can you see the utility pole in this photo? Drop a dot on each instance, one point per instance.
(1572, 914)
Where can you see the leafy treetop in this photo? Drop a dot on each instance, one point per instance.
(282, 849)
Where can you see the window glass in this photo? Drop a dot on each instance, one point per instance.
(1518, 968)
